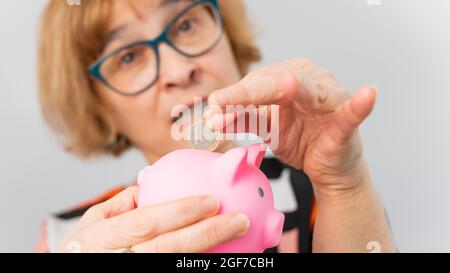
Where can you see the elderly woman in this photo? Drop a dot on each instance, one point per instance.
(112, 71)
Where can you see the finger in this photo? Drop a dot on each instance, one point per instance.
(120, 203)
(146, 223)
(349, 116)
(199, 237)
(251, 120)
(262, 122)
(249, 91)
(309, 95)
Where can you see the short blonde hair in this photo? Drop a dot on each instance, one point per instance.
(70, 40)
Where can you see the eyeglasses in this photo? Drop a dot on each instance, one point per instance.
(132, 69)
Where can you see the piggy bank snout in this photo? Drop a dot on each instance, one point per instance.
(273, 229)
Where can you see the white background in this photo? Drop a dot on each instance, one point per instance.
(402, 46)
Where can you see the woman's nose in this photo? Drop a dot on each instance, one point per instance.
(176, 71)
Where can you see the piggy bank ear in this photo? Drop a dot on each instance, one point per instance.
(256, 154)
(230, 165)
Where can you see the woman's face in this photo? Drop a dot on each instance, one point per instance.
(146, 119)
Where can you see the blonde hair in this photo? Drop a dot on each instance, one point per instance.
(70, 40)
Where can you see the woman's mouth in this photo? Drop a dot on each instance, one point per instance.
(190, 112)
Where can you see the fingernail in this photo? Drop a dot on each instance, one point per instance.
(240, 223)
(211, 204)
(374, 87)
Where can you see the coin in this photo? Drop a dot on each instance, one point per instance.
(200, 137)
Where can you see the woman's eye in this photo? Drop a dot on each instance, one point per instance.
(185, 26)
(127, 58)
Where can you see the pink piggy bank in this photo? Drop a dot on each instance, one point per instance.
(233, 178)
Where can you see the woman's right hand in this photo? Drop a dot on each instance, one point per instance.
(188, 225)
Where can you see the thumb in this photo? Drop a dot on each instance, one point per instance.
(122, 202)
(350, 115)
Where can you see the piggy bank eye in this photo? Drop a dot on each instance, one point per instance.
(261, 192)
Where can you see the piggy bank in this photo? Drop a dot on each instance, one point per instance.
(234, 178)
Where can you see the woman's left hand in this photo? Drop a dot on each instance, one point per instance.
(318, 120)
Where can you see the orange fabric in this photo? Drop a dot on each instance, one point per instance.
(313, 214)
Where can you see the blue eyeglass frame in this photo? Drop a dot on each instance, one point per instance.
(94, 69)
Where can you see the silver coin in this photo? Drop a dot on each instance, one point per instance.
(200, 137)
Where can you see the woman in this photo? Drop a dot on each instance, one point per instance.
(110, 74)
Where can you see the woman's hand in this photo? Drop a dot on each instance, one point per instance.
(318, 120)
(318, 132)
(188, 225)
